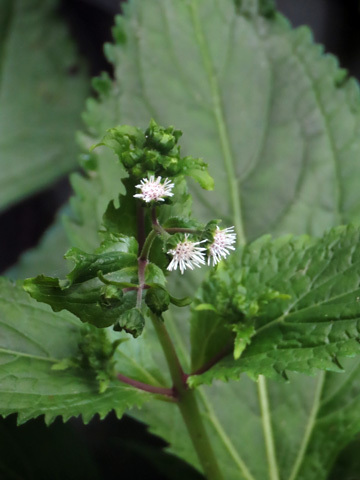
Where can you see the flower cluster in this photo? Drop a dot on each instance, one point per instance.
(222, 243)
(187, 254)
(153, 190)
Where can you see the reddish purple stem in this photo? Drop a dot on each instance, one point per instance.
(169, 392)
(219, 356)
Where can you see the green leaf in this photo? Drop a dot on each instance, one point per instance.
(32, 340)
(271, 115)
(93, 290)
(43, 89)
(299, 415)
(309, 316)
(84, 294)
(259, 102)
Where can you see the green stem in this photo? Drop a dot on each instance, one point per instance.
(188, 405)
(147, 245)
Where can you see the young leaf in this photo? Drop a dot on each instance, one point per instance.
(30, 347)
(43, 89)
(310, 315)
(93, 290)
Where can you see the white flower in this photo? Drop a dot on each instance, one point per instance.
(187, 255)
(222, 243)
(154, 190)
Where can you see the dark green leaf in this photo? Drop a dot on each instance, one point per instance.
(301, 297)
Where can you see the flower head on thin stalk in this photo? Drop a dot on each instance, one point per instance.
(222, 243)
(187, 255)
(153, 190)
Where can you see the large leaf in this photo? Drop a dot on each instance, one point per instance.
(42, 91)
(32, 340)
(277, 122)
(306, 421)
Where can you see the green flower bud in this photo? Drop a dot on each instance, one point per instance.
(137, 171)
(152, 160)
(157, 299)
(131, 158)
(132, 321)
(162, 139)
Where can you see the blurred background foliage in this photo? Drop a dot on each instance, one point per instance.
(49, 51)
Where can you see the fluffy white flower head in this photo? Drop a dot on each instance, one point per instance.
(222, 243)
(153, 190)
(187, 255)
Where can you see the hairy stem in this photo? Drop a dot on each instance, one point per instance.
(188, 405)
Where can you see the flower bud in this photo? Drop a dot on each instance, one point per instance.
(132, 321)
(157, 299)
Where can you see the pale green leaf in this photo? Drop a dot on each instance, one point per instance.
(43, 86)
(275, 119)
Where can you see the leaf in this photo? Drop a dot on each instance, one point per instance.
(302, 414)
(102, 287)
(313, 319)
(263, 106)
(32, 340)
(278, 124)
(43, 89)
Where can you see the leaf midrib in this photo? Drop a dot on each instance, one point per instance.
(220, 123)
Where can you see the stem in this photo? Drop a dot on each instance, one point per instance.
(147, 245)
(140, 214)
(187, 404)
(169, 392)
(142, 262)
(213, 361)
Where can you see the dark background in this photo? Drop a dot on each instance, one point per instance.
(108, 449)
